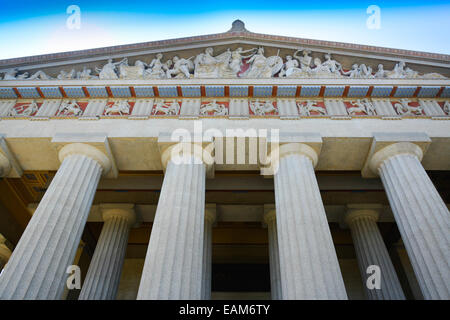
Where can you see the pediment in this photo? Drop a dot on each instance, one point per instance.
(274, 46)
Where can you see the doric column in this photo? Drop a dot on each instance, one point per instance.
(210, 218)
(174, 261)
(371, 250)
(37, 267)
(422, 217)
(308, 263)
(5, 252)
(274, 259)
(103, 276)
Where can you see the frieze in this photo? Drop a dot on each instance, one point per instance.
(283, 108)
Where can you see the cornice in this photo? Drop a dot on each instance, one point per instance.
(222, 36)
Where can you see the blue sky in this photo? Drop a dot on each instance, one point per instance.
(39, 27)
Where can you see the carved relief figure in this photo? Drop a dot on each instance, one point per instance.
(410, 73)
(218, 109)
(403, 108)
(305, 60)
(362, 71)
(224, 69)
(262, 67)
(158, 69)
(85, 74)
(290, 67)
(132, 72)
(353, 72)
(121, 107)
(39, 75)
(333, 66)
(24, 110)
(258, 67)
(320, 70)
(365, 71)
(380, 74)
(361, 106)
(261, 109)
(305, 108)
(298, 71)
(237, 57)
(433, 75)
(181, 68)
(63, 75)
(206, 66)
(447, 107)
(397, 72)
(69, 108)
(172, 108)
(108, 71)
(11, 74)
(370, 108)
(23, 76)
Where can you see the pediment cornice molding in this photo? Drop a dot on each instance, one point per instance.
(228, 38)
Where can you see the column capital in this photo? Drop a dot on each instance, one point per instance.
(186, 150)
(286, 149)
(123, 210)
(93, 145)
(393, 150)
(358, 211)
(210, 212)
(86, 150)
(386, 145)
(308, 144)
(269, 213)
(9, 166)
(182, 152)
(299, 148)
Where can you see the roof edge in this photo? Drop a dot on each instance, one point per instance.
(232, 33)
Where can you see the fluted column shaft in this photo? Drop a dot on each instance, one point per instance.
(274, 259)
(210, 217)
(371, 250)
(174, 261)
(37, 267)
(308, 262)
(422, 217)
(105, 269)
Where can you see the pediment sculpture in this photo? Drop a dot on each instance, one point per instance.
(238, 63)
